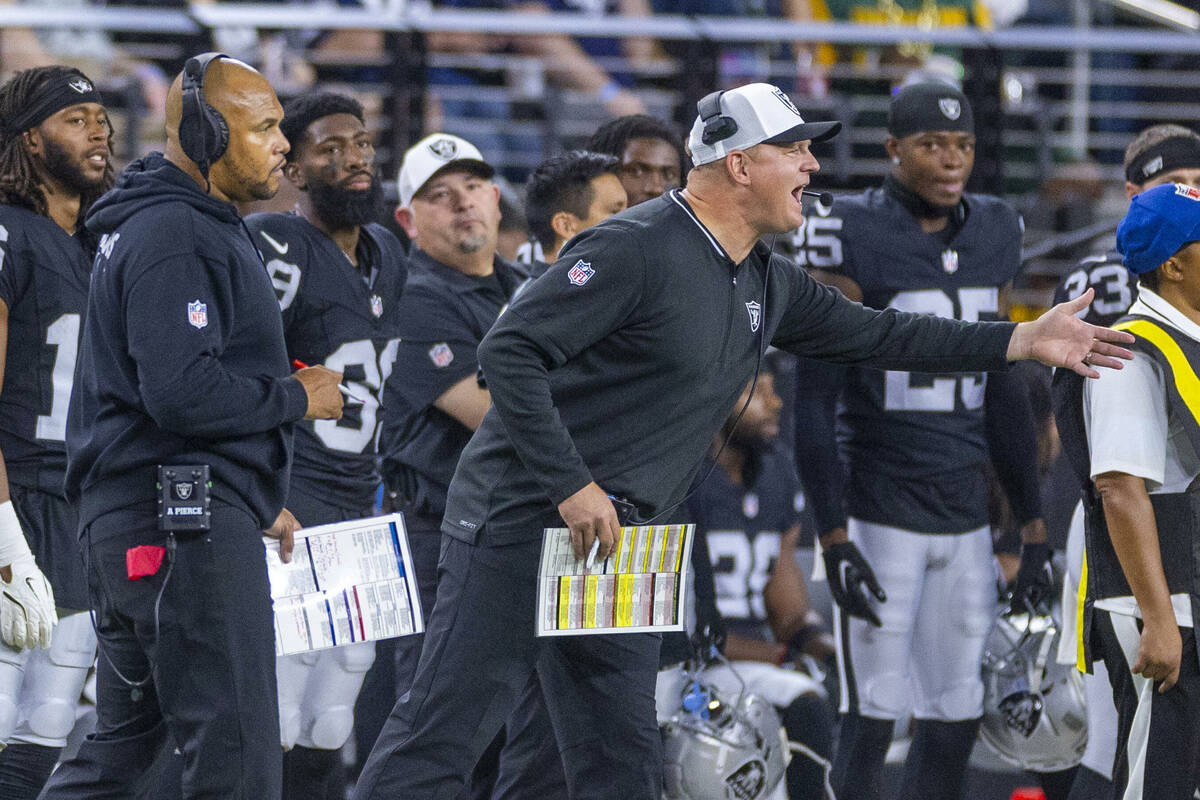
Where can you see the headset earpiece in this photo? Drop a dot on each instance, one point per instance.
(203, 131)
(717, 126)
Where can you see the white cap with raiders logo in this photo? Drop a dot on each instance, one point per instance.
(757, 113)
(433, 154)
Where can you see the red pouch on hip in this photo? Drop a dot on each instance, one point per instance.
(143, 560)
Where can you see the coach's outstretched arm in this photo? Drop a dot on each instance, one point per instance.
(821, 323)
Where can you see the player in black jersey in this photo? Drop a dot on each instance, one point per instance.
(567, 194)
(54, 161)
(1160, 154)
(339, 277)
(749, 511)
(912, 505)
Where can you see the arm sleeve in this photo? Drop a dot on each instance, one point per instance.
(551, 321)
(819, 322)
(1126, 414)
(184, 382)
(818, 388)
(1012, 442)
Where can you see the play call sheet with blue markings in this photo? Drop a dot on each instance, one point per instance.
(347, 582)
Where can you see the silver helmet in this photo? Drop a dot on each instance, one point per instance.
(718, 747)
(1034, 713)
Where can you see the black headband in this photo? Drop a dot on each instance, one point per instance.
(1178, 152)
(74, 88)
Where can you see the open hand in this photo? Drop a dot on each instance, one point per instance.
(1058, 338)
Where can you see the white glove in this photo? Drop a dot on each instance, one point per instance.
(27, 611)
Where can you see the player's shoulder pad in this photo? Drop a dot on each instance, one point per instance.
(17, 220)
(850, 205)
(278, 236)
(998, 214)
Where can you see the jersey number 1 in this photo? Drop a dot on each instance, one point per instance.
(63, 335)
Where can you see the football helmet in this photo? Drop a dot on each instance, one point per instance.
(1034, 713)
(718, 747)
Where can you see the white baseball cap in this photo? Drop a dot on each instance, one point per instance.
(433, 154)
(738, 119)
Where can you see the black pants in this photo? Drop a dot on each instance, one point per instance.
(524, 761)
(208, 663)
(1158, 735)
(479, 653)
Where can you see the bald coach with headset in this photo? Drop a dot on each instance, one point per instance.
(179, 443)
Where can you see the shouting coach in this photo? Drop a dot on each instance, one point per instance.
(179, 443)
(611, 374)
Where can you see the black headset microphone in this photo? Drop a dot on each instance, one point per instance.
(718, 127)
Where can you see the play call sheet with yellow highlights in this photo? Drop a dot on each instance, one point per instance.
(347, 582)
(641, 587)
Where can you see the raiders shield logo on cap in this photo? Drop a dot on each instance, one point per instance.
(443, 148)
(950, 107)
(80, 85)
(787, 101)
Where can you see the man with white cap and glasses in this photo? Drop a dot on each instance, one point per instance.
(610, 374)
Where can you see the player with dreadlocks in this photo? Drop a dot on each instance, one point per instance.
(55, 144)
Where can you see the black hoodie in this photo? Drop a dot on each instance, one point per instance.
(182, 358)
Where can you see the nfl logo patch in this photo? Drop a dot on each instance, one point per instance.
(950, 261)
(377, 305)
(1190, 192)
(441, 355)
(197, 314)
(581, 273)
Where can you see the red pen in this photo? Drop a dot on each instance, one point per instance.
(298, 364)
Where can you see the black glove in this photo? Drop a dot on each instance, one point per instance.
(849, 575)
(1034, 587)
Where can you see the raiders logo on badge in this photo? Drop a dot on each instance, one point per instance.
(183, 489)
(377, 306)
(197, 314)
(787, 101)
(441, 355)
(443, 148)
(581, 273)
(950, 107)
(80, 85)
(950, 261)
(755, 312)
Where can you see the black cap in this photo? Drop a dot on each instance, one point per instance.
(929, 106)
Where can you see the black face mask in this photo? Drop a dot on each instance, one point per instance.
(346, 208)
